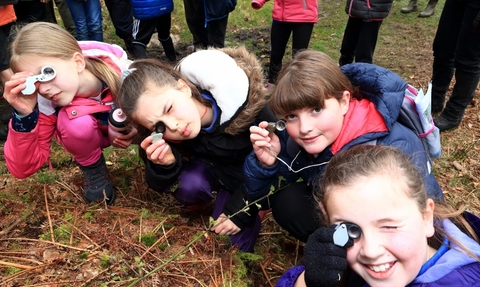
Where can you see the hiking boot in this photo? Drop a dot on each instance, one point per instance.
(444, 124)
(97, 185)
(429, 10)
(412, 7)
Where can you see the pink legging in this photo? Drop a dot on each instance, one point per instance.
(81, 137)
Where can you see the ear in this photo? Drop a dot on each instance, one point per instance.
(79, 60)
(428, 218)
(182, 86)
(345, 102)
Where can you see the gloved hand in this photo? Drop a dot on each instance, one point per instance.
(324, 261)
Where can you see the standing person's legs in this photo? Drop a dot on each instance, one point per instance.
(367, 41)
(30, 11)
(141, 34)
(350, 40)
(195, 17)
(295, 210)
(163, 30)
(467, 68)
(79, 18)
(444, 46)
(301, 36)
(121, 13)
(279, 35)
(217, 30)
(66, 16)
(94, 20)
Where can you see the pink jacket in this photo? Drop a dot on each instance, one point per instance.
(26, 152)
(301, 11)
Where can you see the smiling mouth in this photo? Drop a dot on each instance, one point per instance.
(381, 268)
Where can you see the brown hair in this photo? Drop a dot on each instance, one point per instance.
(146, 72)
(307, 81)
(50, 40)
(347, 167)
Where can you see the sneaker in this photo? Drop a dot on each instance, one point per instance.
(444, 124)
(97, 185)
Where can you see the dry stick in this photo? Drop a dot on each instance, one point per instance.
(265, 274)
(15, 265)
(23, 259)
(165, 235)
(20, 219)
(71, 191)
(297, 247)
(18, 274)
(52, 235)
(79, 231)
(49, 242)
(156, 242)
(231, 262)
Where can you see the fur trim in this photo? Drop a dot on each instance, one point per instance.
(257, 93)
(235, 79)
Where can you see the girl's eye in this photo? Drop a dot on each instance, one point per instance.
(390, 227)
(169, 109)
(317, 110)
(290, 117)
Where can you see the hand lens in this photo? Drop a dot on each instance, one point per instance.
(46, 74)
(345, 231)
(158, 133)
(279, 125)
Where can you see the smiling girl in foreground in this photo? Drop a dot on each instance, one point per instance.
(68, 98)
(405, 238)
(203, 109)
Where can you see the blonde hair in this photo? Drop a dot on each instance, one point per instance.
(50, 40)
(347, 167)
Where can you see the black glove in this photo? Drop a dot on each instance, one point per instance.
(324, 261)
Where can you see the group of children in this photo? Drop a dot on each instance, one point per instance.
(204, 133)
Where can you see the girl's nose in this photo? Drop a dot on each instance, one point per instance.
(170, 123)
(305, 125)
(43, 88)
(371, 246)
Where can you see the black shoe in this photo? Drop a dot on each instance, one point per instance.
(436, 109)
(444, 124)
(97, 185)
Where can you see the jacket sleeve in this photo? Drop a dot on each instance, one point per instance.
(261, 180)
(290, 276)
(238, 202)
(160, 177)
(26, 152)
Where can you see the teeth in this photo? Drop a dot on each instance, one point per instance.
(380, 268)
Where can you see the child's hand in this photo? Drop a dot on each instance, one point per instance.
(23, 104)
(265, 145)
(324, 261)
(225, 226)
(158, 152)
(123, 141)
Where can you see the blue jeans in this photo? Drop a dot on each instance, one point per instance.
(87, 16)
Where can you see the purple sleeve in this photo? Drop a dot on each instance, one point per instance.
(288, 278)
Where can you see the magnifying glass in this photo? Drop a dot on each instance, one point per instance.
(47, 73)
(344, 231)
(279, 125)
(158, 133)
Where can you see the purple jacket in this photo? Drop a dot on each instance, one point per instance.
(453, 268)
